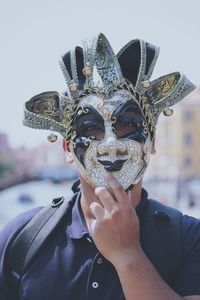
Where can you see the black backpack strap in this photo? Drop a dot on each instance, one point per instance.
(33, 237)
(162, 238)
(76, 186)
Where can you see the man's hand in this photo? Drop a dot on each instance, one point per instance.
(115, 231)
(115, 226)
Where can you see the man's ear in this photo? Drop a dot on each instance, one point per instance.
(68, 155)
(153, 148)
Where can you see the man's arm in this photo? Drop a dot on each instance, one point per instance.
(140, 280)
(115, 230)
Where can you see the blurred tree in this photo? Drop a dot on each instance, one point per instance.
(6, 165)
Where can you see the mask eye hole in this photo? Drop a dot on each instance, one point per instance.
(92, 129)
(121, 129)
(89, 123)
(126, 124)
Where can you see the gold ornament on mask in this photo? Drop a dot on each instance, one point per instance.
(87, 71)
(146, 84)
(52, 138)
(73, 87)
(168, 112)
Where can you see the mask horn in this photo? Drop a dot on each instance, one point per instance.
(137, 60)
(71, 64)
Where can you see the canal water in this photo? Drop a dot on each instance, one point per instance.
(20, 198)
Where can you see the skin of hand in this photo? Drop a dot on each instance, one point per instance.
(114, 224)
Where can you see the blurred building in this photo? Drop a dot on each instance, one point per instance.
(22, 162)
(49, 162)
(190, 120)
(178, 141)
(45, 161)
(4, 144)
(5, 155)
(49, 155)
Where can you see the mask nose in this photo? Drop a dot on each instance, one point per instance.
(111, 146)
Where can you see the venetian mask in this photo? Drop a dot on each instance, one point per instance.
(111, 134)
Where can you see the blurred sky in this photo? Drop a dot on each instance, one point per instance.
(34, 33)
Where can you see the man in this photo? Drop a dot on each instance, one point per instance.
(104, 248)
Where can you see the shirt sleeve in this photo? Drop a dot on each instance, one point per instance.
(7, 235)
(187, 281)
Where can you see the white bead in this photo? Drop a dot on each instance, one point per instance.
(95, 284)
(99, 260)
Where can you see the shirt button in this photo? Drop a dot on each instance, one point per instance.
(89, 239)
(95, 284)
(99, 260)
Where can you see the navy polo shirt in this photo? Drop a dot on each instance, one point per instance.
(71, 268)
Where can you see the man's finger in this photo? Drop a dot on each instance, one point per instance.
(117, 189)
(97, 210)
(106, 198)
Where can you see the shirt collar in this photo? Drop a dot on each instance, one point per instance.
(77, 229)
(143, 203)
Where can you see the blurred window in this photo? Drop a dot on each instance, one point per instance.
(188, 161)
(188, 140)
(188, 115)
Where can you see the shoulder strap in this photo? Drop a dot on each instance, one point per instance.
(162, 238)
(34, 236)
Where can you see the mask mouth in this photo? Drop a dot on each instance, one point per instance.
(115, 166)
